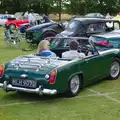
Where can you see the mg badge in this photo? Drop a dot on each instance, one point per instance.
(24, 76)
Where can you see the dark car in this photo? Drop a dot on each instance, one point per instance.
(39, 32)
(85, 27)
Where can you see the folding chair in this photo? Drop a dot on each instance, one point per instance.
(11, 38)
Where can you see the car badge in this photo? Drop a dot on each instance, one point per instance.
(24, 76)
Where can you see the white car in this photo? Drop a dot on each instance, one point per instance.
(4, 18)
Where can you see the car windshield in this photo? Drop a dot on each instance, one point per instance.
(59, 42)
(63, 42)
(73, 25)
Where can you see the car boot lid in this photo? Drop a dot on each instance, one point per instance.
(35, 63)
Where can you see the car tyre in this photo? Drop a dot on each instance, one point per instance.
(114, 69)
(74, 86)
(12, 27)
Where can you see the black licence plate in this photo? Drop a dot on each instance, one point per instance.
(24, 83)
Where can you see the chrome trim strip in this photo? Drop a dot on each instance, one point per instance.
(39, 90)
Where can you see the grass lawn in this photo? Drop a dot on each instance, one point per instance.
(100, 101)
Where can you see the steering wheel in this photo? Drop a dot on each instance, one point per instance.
(84, 48)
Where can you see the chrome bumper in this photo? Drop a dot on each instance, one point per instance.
(1, 85)
(39, 90)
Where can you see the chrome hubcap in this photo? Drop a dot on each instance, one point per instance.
(12, 27)
(74, 84)
(115, 69)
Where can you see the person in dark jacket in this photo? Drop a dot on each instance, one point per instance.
(46, 19)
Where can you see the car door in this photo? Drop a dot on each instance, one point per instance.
(92, 67)
(95, 67)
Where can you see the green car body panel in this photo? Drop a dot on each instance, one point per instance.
(89, 69)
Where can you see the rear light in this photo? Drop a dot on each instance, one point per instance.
(53, 77)
(1, 70)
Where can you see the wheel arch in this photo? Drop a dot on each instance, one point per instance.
(118, 57)
(80, 74)
(48, 31)
(13, 24)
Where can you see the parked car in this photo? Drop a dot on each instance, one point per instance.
(12, 24)
(95, 15)
(37, 33)
(19, 18)
(53, 75)
(5, 17)
(85, 27)
(110, 40)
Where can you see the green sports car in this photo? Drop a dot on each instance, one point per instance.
(53, 75)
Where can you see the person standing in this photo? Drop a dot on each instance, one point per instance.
(31, 18)
(46, 18)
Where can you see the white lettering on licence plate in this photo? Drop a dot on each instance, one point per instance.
(24, 83)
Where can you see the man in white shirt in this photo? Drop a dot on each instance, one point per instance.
(73, 53)
(31, 18)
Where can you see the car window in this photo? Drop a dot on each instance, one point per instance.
(73, 25)
(115, 42)
(60, 43)
(55, 42)
(99, 27)
(116, 26)
(66, 43)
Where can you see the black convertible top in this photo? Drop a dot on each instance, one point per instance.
(94, 20)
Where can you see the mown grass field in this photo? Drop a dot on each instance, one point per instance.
(100, 101)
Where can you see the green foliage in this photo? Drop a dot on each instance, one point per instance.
(59, 6)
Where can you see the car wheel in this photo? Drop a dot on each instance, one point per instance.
(114, 69)
(74, 86)
(29, 40)
(12, 27)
